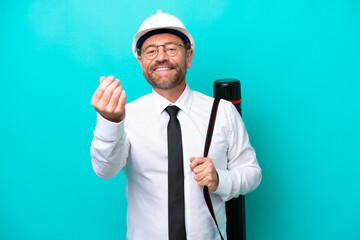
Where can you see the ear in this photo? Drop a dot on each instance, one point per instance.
(139, 60)
(189, 56)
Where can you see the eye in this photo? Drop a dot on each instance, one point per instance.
(150, 50)
(171, 48)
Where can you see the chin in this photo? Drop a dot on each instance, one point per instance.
(165, 85)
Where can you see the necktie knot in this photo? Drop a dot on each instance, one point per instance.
(172, 110)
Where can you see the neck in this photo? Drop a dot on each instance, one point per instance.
(172, 94)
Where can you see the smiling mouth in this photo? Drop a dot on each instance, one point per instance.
(162, 69)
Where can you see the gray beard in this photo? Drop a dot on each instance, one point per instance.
(174, 82)
(178, 78)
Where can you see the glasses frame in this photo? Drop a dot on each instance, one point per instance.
(164, 45)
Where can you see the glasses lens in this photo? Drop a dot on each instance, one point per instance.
(171, 49)
(150, 52)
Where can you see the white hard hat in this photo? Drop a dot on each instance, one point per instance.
(160, 21)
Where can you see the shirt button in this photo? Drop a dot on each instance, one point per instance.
(185, 208)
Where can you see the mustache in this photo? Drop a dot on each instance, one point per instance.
(163, 64)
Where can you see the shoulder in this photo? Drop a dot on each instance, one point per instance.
(139, 103)
(227, 107)
(201, 104)
(202, 101)
(139, 108)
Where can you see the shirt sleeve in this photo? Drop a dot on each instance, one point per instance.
(109, 147)
(243, 173)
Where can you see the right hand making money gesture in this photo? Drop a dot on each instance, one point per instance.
(109, 99)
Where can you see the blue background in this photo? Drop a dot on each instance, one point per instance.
(299, 65)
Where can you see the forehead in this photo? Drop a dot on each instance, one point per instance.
(162, 38)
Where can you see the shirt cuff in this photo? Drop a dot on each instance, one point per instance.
(107, 130)
(224, 187)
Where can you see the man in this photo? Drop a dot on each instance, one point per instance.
(141, 141)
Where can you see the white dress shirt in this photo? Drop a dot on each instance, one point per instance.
(139, 145)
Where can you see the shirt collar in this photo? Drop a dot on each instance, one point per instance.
(184, 101)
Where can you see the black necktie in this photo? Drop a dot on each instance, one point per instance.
(175, 177)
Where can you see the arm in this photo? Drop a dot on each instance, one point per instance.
(109, 148)
(243, 173)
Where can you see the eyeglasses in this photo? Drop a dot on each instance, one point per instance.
(170, 48)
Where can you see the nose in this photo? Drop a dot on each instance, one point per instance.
(161, 54)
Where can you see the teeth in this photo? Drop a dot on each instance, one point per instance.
(162, 68)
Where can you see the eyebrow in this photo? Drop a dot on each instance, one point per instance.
(154, 45)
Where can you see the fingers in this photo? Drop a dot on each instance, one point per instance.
(201, 167)
(109, 99)
(108, 91)
(195, 162)
(121, 102)
(111, 96)
(104, 83)
(205, 172)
